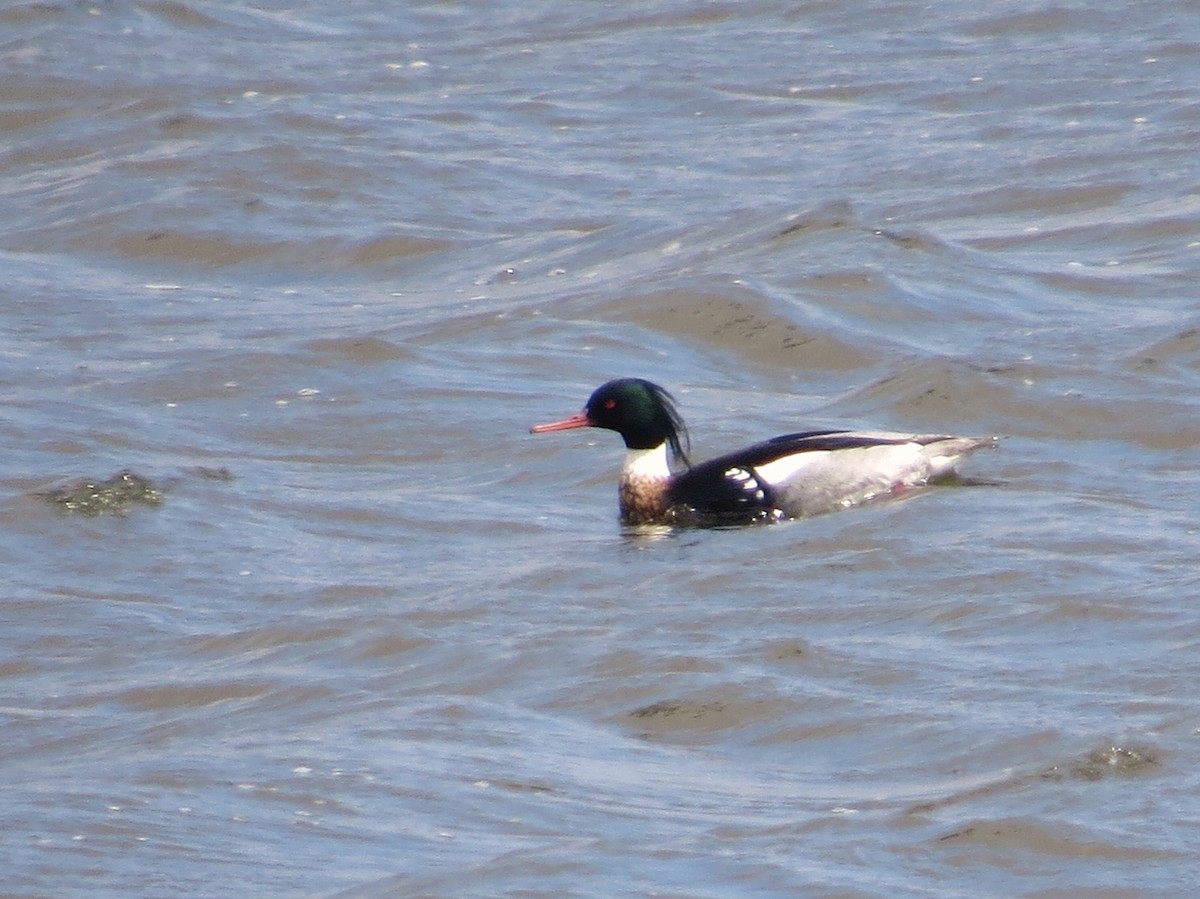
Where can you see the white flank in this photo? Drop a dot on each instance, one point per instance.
(783, 468)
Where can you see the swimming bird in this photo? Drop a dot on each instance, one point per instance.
(791, 476)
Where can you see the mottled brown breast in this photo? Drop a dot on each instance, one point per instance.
(643, 501)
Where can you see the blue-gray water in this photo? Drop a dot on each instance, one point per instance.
(313, 269)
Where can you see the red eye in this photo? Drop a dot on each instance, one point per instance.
(610, 404)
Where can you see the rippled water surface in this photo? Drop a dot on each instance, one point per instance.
(295, 606)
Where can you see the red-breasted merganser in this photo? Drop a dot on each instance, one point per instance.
(792, 476)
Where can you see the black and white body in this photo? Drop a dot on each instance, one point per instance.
(792, 476)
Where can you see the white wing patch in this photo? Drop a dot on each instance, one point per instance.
(748, 482)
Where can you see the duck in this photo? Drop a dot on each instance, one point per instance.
(787, 477)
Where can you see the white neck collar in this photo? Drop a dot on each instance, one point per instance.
(647, 464)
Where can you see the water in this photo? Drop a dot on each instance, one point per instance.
(312, 271)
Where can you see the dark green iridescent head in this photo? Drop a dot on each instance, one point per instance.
(643, 413)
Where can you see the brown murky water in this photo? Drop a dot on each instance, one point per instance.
(284, 287)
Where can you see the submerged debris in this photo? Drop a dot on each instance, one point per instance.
(117, 495)
(212, 474)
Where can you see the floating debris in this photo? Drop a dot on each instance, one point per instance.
(1110, 761)
(117, 495)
